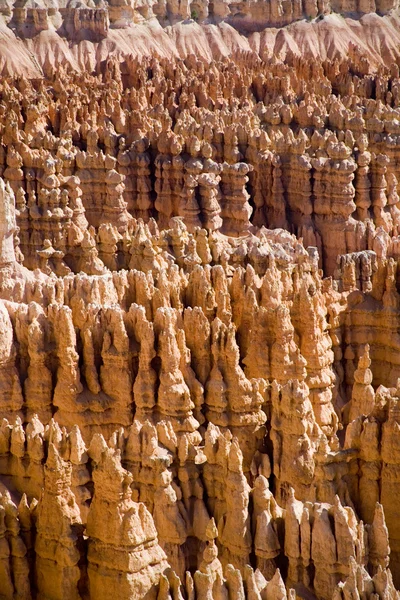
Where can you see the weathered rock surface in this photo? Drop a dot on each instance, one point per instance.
(199, 301)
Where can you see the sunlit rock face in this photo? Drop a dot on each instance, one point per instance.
(199, 305)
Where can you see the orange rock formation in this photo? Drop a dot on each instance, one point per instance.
(199, 300)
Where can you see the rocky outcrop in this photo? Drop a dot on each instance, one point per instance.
(199, 305)
(122, 549)
(327, 546)
(59, 532)
(85, 179)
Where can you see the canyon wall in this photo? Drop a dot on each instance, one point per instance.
(199, 302)
(38, 38)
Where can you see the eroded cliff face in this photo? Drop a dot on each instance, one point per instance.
(37, 38)
(199, 309)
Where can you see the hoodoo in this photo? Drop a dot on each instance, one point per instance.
(199, 300)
